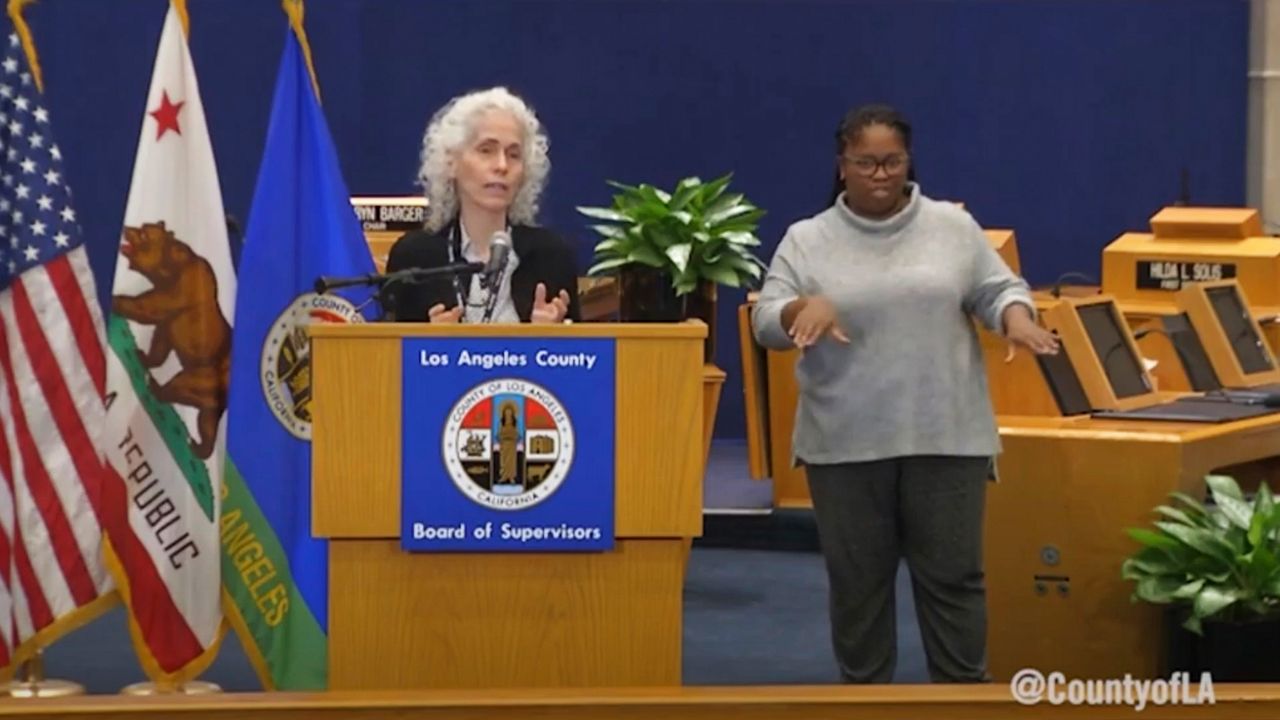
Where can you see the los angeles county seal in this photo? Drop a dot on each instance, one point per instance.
(508, 444)
(286, 357)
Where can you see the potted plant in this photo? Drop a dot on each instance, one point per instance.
(1217, 568)
(670, 250)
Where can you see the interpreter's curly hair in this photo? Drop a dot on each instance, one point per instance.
(451, 127)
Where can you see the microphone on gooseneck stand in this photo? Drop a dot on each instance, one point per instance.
(1056, 289)
(499, 255)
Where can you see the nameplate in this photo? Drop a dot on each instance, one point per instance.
(1173, 275)
(390, 214)
(508, 444)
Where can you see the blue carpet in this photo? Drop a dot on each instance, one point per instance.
(755, 605)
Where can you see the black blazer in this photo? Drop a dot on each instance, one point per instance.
(544, 258)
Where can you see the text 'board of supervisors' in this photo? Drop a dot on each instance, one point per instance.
(508, 444)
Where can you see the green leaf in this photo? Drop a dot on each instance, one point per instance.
(1202, 540)
(1263, 500)
(733, 211)
(723, 274)
(1188, 591)
(1236, 510)
(1150, 561)
(1260, 566)
(626, 189)
(1223, 486)
(646, 256)
(1194, 505)
(679, 255)
(686, 190)
(744, 223)
(1257, 528)
(1177, 515)
(1213, 600)
(654, 195)
(712, 190)
(603, 214)
(724, 202)
(1208, 567)
(684, 287)
(609, 264)
(661, 237)
(747, 265)
(615, 232)
(606, 246)
(1154, 539)
(1158, 588)
(741, 237)
(1193, 624)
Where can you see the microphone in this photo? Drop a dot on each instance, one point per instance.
(1271, 400)
(1056, 290)
(499, 255)
(325, 283)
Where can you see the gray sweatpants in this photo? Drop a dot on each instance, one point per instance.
(930, 510)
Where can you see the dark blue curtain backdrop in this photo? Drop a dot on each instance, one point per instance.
(1069, 121)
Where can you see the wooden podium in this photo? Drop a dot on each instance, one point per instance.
(400, 620)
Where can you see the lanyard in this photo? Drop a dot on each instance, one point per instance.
(463, 294)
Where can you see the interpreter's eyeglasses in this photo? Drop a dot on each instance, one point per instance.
(866, 166)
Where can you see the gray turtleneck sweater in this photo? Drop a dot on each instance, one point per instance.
(912, 380)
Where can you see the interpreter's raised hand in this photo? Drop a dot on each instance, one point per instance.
(548, 311)
(437, 314)
(816, 320)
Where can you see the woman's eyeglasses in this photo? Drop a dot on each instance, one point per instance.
(866, 166)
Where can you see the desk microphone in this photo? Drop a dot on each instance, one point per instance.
(1271, 400)
(1056, 289)
(1243, 396)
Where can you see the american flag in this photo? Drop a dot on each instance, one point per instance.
(52, 374)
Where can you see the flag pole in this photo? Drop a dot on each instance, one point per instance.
(168, 687)
(33, 683)
(294, 9)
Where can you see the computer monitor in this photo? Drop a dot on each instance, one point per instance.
(1191, 353)
(1064, 383)
(1237, 349)
(1110, 338)
(1102, 351)
(1246, 342)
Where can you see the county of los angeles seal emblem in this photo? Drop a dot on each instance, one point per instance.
(286, 357)
(508, 444)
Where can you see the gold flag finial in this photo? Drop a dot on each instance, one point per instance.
(294, 9)
(181, 7)
(28, 44)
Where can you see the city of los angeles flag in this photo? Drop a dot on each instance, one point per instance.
(169, 333)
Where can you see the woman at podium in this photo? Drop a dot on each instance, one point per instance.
(894, 423)
(484, 166)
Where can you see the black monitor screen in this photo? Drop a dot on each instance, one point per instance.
(1195, 361)
(1064, 383)
(1109, 342)
(1238, 325)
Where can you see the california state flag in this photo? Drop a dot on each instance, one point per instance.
(167, 372)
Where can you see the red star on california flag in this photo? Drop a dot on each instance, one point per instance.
(166, 115)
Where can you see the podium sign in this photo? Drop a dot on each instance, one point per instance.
(508, 444)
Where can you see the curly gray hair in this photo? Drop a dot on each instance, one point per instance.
(451, 127)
